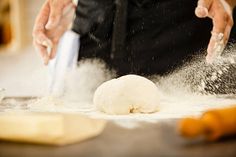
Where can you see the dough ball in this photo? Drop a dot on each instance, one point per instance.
(127, 94)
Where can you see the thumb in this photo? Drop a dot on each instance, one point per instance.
(56, 11)
(202, 8)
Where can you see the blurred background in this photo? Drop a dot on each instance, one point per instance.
(21, 70)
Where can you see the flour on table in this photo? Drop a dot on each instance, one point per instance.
(190, 90)
(47, 103)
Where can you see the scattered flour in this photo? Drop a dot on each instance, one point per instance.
(82, 82)
(47, 104)
(190, 90)
(217, 78)
(80, 85)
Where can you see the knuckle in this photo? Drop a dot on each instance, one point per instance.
(40, 38)
(37, 29)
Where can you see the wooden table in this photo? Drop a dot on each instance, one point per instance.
(160, 139)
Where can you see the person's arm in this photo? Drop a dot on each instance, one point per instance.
(220, 11)
(50, 25)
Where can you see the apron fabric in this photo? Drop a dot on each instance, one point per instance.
(142, 37)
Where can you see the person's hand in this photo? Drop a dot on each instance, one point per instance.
(220, 11)
(51, 23)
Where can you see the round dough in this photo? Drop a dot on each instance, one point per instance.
(127, 94)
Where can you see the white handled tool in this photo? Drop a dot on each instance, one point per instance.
(65, 59)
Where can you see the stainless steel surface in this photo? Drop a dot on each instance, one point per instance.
(148, 140)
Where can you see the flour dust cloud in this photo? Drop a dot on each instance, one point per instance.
(193, 88)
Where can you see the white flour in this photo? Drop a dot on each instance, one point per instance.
(190, 90)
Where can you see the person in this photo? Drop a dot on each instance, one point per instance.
(138, 36)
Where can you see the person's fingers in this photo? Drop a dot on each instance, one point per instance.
(228, 31)
(41, 20)
(53, 52)
(41, 41)
(202, 8)
(215, 46)
(42, 51)
(220, 13)
(217, 41)
(56, 13)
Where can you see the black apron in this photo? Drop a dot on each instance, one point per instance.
(142, 37)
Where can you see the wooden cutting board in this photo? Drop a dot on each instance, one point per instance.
(48, 128)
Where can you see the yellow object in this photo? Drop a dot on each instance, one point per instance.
(212, 124)
(48, 128)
